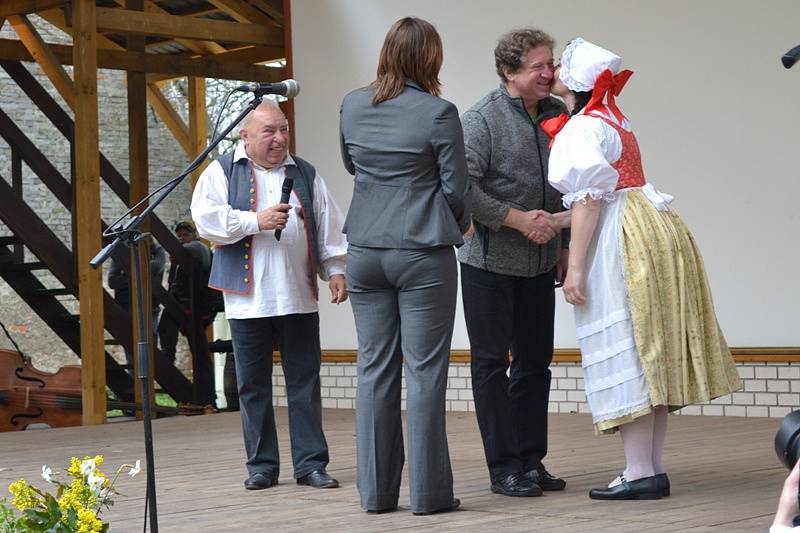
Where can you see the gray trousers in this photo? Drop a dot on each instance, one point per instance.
(298, 336)
(404, 306)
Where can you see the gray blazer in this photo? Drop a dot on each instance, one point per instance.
(411, 180)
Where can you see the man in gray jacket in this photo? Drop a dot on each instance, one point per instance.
(512, 262)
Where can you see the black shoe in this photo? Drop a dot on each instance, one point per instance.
(452, 507)
(516, 485)
(261, 480)
(545, 480)
(646, 488)
(382, 511)
(663, 482)
(319, 479)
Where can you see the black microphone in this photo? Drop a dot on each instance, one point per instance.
(287, 88)
(286, 190)
(791, 57)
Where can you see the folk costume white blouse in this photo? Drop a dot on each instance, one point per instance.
(648, 334)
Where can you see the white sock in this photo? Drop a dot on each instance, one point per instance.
(637, 441)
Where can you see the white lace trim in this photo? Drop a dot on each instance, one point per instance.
(580, 196)
(618, 412)
(566, 67)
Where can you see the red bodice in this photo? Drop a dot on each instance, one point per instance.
(629, 164)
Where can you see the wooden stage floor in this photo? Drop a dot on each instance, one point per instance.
(724, 473)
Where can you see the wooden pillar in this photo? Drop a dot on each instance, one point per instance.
(287, 46)
(139, 187)
(87, 201)
(198, 122)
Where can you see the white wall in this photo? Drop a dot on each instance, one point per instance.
(716, 114)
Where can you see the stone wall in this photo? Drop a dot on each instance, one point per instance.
(770, 390)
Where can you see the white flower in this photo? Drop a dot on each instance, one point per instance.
(135, 469)
(47, 474)
(87, 467)
(96, 483)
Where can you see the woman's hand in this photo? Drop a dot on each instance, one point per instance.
(574, 286)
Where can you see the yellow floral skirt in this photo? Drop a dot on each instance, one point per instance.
(681, 348)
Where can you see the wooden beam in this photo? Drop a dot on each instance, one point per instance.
(139, 187)
(288, 105)
(272, 10)
(174, 65)
(126, 21)
(57, 18)
(87, 186)
(170, 116)
(768, 354)
(199, 47)
(23, 7)
(45, 58)
(241, 11)
(198, 123)
(246, 54)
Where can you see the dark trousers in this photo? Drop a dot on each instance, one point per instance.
(298, 336)
(508, 312)
(168, 329)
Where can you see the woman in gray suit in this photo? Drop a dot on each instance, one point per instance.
(405, 147)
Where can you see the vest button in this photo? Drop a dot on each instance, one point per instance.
(252, 190)
(247, 245)
(252, 200)
(247, 267)
(247, 256)
(247, 280)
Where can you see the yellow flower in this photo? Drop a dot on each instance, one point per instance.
(24, 497)
(74, 497)
(88, 521)
(98, 460)
(74, 467)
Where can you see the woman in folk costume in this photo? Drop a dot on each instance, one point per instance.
(649, 338)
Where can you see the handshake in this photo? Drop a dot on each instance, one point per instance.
(537, 225)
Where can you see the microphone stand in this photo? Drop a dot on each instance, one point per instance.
(129, 235)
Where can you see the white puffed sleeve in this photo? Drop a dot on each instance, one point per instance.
(581, 159)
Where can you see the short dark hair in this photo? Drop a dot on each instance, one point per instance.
(514, 44)
(187, 225)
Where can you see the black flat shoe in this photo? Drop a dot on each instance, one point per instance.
(319, 479)
(663, 482)
(646, 488)
(516, 485)
(382, 511)
(545, 479)
(452, 507)
(261, 480)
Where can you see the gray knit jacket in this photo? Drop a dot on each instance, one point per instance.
(507, 155)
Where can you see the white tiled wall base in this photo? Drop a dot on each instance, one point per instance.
(770, 390)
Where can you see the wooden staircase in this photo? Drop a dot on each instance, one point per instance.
(31, 232)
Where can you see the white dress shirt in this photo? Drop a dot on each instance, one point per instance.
(281, 274)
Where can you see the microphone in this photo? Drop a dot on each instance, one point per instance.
(286, 190)
(791, 57)
(287, 88)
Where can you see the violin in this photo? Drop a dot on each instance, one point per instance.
(32, 396)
